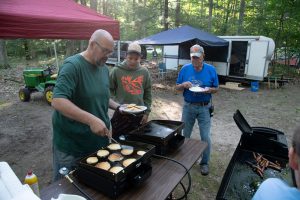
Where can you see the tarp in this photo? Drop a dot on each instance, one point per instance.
(183, 34)
(52, 19)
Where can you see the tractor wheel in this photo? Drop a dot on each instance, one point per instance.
(24, 94)
(48, 94)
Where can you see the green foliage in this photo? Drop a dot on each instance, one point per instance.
(285, 71)
(278, 19)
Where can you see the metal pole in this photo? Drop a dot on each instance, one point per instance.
(56, 60)
(119, 50)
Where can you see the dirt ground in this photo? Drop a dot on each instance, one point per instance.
(26, 132)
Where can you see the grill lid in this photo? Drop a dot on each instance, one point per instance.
(242, 123)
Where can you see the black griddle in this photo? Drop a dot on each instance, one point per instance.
(240, 181)
(112, 184)
(164, 134)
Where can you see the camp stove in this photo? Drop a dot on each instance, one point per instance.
(112, 184)
(164, 134)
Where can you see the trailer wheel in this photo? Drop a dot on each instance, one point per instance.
(48, 93)
(24, 94)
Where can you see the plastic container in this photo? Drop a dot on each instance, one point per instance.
(32, 180)
(254, 86)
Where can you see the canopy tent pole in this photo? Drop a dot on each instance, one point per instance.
(56, 59)
(119, 50)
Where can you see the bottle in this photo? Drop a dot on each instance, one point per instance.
(32, 180)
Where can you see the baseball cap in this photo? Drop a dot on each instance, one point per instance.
(134, 47)
(196, 50)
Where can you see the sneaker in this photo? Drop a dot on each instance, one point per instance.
(204, 170)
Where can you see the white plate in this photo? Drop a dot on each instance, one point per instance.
(124, 108)
(199, 89)
(69, 197)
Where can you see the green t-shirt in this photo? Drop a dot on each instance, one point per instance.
(87, 86)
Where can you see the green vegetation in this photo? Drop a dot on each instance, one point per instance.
(277, 19)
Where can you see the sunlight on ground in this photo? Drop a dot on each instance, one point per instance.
(165, 109)
(5, 105)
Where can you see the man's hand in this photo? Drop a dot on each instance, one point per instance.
(144, 119)
(211, 90)
(185, 85)
(98, 127)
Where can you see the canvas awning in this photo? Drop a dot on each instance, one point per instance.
(52, 19)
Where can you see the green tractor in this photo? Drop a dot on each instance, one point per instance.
(38, 80)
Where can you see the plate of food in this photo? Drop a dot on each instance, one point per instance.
(132, 108)
(199, 89)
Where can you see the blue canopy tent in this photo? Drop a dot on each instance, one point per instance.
(216, 49)
(183, 34)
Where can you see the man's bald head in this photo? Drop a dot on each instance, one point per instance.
(101, 34)
(101, 44)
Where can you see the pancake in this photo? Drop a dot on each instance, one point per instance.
(102, 153)
(91, 160)
(116, 169)
(115, 157)
(114, 146)
(126, 152)
(103, 165)
(128, 161)
(131, 105)
(141, 153)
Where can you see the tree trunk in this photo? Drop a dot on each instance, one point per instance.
(226, 18)
(241, 17)
(210, 15)
(202, 9)
(104, 7)
(177, 13)
(278, 34)
(83, 2)
(70, 47)
(3, 55)
(166, 15)
(93, 5)
(26, 48)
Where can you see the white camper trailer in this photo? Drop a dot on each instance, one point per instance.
(248, 57)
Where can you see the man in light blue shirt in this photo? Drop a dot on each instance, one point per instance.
(204, 78)
(277, 189)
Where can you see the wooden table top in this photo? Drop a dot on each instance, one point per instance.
(165, 177)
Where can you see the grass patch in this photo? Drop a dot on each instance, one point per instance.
(206, 187)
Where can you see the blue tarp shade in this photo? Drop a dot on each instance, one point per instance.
(184, 34)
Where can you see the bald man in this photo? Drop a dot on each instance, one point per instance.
(81, 99)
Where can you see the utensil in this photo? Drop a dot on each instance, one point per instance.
(110, 138)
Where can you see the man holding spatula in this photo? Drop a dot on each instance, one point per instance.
(81, 100)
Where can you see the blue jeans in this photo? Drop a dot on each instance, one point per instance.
(192, 112)
(61, 159)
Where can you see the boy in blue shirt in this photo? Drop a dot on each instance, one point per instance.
(204, 78)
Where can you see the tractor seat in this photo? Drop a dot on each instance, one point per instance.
(54, 76)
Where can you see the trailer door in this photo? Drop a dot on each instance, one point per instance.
(171, 56)
(256, 60)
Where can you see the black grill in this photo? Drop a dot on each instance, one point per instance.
(242, 178)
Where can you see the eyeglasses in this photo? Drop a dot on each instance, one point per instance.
(195, 57)
(103, 49)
